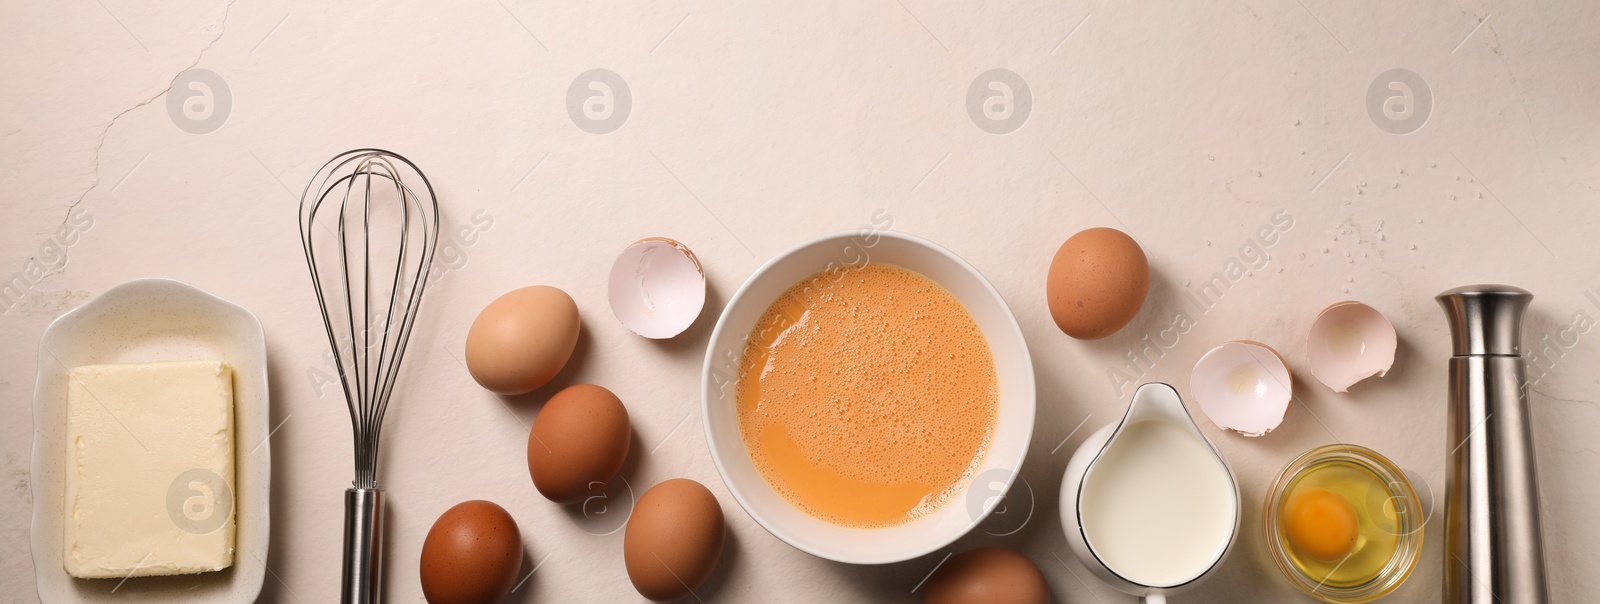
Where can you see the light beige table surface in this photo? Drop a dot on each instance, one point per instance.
(752, 126)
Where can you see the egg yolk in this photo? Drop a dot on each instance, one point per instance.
(1320, 524)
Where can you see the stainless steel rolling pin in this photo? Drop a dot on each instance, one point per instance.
(1494, 552)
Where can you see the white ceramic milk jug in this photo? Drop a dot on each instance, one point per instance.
(1147, 503)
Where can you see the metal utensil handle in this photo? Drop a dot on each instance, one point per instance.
(363, 546)
(1494, 546)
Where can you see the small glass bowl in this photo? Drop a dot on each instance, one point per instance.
(1400, 505)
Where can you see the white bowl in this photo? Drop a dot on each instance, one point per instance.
(139, 321)
(1013, 425)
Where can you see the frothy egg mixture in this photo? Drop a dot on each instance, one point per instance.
(870, 396)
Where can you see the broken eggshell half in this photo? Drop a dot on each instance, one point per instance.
(1350, 342)
(1242, 386)
(657, 288)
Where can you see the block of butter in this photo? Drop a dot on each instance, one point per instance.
(149, 475)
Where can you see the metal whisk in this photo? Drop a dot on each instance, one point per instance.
(379, 303)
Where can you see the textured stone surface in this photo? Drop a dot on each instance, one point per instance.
(753, 127)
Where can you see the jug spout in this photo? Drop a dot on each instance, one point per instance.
(1155, 400)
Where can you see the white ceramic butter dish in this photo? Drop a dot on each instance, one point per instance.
(141, 321)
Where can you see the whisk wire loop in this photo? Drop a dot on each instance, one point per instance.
(356, 181)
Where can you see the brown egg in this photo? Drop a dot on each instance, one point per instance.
(471, 555)
(578, 443)
(1097, 283)
(674, 539)
(522, 339)
(991, 574)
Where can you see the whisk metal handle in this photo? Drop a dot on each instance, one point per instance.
(363, 546)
